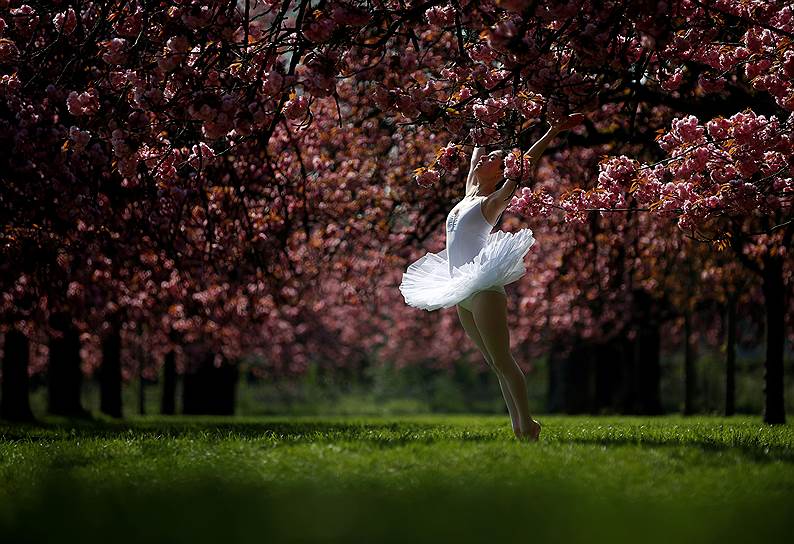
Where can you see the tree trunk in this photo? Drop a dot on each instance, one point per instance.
(645, 397)
(576, 377)
(774, 299)
(555, 392)
(168, 404)
(608, 361)
(689, 365)
(15, 404)
(648, 369)
(64, 376)
(210, 389)
(730, 358)
(627, 391)
(570, 383)
(141, 392)
(110, 371)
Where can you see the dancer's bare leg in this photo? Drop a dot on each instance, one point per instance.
(489, 309)
(467, 320)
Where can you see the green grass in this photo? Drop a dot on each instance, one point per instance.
(433, 478)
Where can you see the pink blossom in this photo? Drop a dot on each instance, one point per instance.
(25, 19)
(753, 69)
(481, 52)
(500, 34)
(440, 15)
(532, 203)
(115, 51)
(518, 166)
(574, 205)
(406, 105)
(718, 128)
(382, 97)
(320, 30)
(492, 78)
(648, 192)
(724, 173)
(319, 74)
(178, 44)
(490, 111)
(8, 51)
(296, 108)
(218, 127)
(201, 154)
(484, 136)
(685, 130)
(428, 177)
(710, 85)
(85, 103)
(788, 63)
(530, 107)
(272, 83)
(65, 21)
(117, 79)
(449, 156)
(79, 137)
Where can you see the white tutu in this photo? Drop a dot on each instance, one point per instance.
(427, 284)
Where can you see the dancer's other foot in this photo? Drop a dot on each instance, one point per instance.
(533, 434)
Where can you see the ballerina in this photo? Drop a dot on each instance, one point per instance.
(471, 272)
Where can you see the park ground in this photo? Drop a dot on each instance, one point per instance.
(433, 478)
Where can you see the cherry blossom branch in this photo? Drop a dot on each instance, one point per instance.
(750, 22)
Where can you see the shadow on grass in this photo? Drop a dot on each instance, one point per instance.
(203, 507)
(210, 509)
(757, 453)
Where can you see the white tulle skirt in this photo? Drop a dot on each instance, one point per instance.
(427, 284)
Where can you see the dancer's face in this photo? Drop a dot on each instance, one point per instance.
(489, 170)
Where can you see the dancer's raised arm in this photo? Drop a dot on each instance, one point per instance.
(506, 191)
(475, 156)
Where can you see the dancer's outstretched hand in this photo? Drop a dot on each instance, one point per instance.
(571, 121)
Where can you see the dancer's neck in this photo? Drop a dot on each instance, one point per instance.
(474, 193)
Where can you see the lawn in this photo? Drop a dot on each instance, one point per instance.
(433, 478)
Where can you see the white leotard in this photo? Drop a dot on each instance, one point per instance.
(467, 231)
